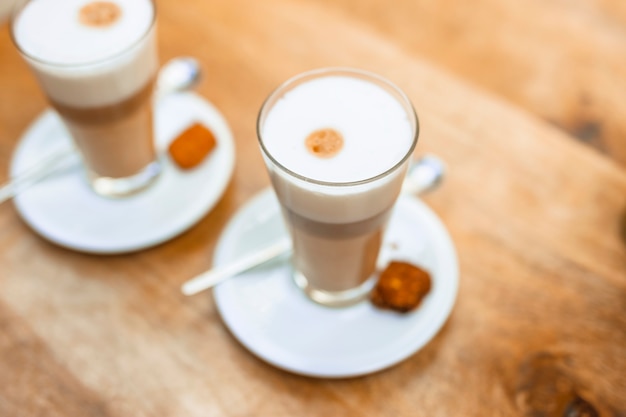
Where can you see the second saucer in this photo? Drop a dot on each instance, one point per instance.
(65, 210)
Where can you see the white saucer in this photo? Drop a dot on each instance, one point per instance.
(64, 209)
(271, 317)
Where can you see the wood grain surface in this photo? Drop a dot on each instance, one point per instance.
(539, 327)
(556, 59)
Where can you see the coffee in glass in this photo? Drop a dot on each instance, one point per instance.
(337, 143)
(96, 61)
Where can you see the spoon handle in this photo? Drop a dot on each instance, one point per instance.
(35, 173)
(213, 277)
(424, 174)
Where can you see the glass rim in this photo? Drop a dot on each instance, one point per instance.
(19, 6)
(355, 73)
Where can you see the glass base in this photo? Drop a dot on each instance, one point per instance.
(334, 298)
(126, 186)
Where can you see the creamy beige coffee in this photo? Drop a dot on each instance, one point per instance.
(336, 257)
(336, 144)
(96, 61)
(115, 140)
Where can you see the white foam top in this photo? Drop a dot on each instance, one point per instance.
(51, 31)
(377, 133)
(84, 66)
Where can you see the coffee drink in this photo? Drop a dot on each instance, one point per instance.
(336, 143)
(116, 140)
(96, 61)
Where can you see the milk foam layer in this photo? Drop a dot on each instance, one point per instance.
(378, 133)
(84, 66)
(374, 125)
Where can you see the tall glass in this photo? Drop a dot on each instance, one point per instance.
(337, 192)
(96, 61)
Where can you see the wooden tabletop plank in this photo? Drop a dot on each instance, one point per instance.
(32, 380)
(535, 218)
(558, 59)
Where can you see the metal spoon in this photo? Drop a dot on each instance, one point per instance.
(424, 174)
(178, 74)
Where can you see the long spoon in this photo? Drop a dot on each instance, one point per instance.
(424, 174)
(178, 74)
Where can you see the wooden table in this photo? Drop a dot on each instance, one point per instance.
(501, 88)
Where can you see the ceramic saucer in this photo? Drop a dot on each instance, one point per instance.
(272, 318)
(63, 209)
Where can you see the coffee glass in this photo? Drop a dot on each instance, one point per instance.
(96, 62)
(336, 143)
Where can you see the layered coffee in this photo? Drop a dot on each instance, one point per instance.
(337, 191)
(96, 61)
(336, 257)
(115, 140)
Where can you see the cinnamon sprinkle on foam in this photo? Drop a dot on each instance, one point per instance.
(99, 14)
(324, 143)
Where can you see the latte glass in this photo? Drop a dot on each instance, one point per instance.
(104, 95)
(336, 208)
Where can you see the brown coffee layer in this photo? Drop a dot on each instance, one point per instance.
(337, 230)
(108, 113)
(116, 140)
(336, 257)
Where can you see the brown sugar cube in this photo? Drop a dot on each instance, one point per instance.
(192, 146)
(401, 287)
